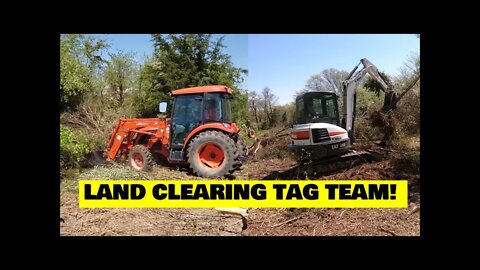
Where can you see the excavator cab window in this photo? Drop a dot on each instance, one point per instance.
(331, 108)
(317, 107)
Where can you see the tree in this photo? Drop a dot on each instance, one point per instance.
(373, 85)
(80, 66)
(408, 116)
(74, 76)
(189, 60)
(119, 74)
(410, 75)
(92, 49)
(408, 101)
(328, 80)
(254, 105)
(239, 106)
(268, 100)
(145, 100)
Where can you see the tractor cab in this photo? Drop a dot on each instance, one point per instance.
(198, 108)
(317, 107)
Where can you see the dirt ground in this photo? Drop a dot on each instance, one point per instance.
(144, 222)
(75, 221)
(339, 222)
(261, 222)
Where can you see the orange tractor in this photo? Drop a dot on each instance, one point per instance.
(200, 133)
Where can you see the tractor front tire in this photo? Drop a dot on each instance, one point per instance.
(211, 154)
(241, 151)
(140, 158)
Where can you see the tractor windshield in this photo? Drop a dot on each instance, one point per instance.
(317, 107)
(217, 108)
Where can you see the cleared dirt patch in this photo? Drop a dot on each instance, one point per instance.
(77, 221)
(339, 222)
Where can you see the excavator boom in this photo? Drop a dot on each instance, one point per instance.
(350, 86)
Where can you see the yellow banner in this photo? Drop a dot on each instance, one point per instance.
(243, 193)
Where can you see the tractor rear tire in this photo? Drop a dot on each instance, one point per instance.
(211, 154)
(140, 158)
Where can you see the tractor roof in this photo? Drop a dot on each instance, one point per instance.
(203, 89)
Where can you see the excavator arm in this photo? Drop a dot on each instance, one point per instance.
(350, 86)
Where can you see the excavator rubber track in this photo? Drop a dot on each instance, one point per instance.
(346, 161)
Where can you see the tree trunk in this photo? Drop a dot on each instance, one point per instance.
(406, 90)
(384, 119)
(256, 115)
(121, 94)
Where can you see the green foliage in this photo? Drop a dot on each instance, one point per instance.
(187, 60)
(95, 92)
(74, 76)
(120, 75)
(95, 121)
(373, 85)
(73, 147)
(408, 108)
(408, 112)
(145, 98)
(368, 101)
(239, 106)
(80, 64)
(364, 129)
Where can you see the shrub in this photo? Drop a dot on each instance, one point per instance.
(73, 147)
(364, 129)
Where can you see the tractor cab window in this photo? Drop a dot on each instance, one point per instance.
(217, 108)
(186, 116)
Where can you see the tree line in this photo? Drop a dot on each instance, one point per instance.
(265, 113)
(99, 85)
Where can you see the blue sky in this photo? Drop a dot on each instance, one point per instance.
(285, 62)
(141, 45)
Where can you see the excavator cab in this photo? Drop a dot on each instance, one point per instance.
(317, 107)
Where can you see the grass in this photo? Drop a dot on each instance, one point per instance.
(70, 185)
(409, 146)
(115, 171)
(70, 177)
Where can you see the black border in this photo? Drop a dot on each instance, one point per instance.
(45, 151)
